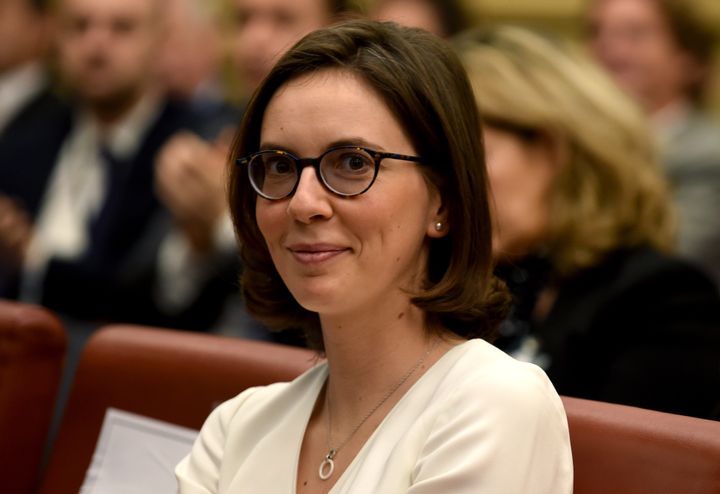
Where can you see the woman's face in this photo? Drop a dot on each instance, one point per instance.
(342, 255)
(521, 174)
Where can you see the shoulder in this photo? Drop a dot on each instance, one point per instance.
(630, 270)
(490, 417)
(491, 382)
(637, 292)
(254, 404)
(171, 117)
(648, 272)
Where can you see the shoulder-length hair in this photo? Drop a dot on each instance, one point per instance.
(424, 85)
(610, 192)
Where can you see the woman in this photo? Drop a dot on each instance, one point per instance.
(583, 230)
(379, 248)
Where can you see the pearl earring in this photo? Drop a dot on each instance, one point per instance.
(438, 226)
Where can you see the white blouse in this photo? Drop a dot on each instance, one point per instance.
(477, 421)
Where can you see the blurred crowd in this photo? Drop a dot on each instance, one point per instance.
(117, 116)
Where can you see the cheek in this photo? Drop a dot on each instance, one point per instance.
(265, 219)
(520, 186)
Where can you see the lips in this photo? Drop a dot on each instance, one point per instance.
(316, 253)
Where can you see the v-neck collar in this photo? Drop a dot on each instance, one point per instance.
(308, 404)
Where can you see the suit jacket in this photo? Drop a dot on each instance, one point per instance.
(114, 279)
(640, 329)
(29, 146)
(110, 280)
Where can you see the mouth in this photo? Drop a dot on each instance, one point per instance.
(316, 253)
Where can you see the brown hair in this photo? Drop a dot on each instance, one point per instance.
(610, 192)
(425, 86)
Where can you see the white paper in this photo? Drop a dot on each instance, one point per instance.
(136, 455)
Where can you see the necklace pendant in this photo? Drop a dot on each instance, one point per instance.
(327, 467)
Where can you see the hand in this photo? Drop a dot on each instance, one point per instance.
(15, 232)
(190, 181)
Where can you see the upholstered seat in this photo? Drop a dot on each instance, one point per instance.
(177, 377)
(626, 450)
(32, 351)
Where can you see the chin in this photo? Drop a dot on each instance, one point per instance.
(317, 296)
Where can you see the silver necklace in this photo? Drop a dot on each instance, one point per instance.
(327, 466)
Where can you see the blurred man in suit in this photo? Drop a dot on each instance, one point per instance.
(660, 51)
(83, 255)
(25, 101)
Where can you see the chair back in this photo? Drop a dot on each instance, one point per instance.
(173, 376)
(625, 450)
(32, 352)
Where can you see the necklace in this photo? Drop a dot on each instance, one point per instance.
(327, 466)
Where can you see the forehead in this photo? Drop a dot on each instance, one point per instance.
(331, 106)
(631, 10)
(136, 9)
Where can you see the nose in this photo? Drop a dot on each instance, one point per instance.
(311, 200)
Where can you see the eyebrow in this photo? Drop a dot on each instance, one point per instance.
(349, 141)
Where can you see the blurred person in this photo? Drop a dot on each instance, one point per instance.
(363, 218)
(83, 256)
(659, 52)
(189, 64)
(26, 101)
(444, 18)
(24, 38)
(583, 232)
(196, 257)
(265, 29)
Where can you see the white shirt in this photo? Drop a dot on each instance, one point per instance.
(17, 88)
(181, 272)
(477, 422)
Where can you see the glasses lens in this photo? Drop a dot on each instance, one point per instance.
(273, 174)
(348, 171)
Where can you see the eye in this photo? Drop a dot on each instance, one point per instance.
(352, 163)
(279, 165)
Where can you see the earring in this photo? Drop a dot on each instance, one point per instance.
(438, 226)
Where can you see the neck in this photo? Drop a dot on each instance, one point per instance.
(368, 354)
(110, 111)
(662, 106)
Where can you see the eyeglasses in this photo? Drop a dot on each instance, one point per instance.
(344, 170)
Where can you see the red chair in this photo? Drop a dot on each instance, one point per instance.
(626, 450)
(174, 376)
(32, 352)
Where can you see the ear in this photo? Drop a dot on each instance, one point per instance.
(438, 225)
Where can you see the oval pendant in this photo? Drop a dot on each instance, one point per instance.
(327, 467)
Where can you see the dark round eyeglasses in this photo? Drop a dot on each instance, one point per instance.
(344, 170)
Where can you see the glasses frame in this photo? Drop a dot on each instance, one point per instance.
(301, 163)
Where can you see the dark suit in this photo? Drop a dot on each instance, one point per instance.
(640, 329)
(29, 145)
(113, 280)
(101, 283)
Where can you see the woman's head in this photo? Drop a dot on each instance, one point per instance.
(423, 105)
(590, 164)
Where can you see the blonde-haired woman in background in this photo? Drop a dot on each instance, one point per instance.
(583, 230)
